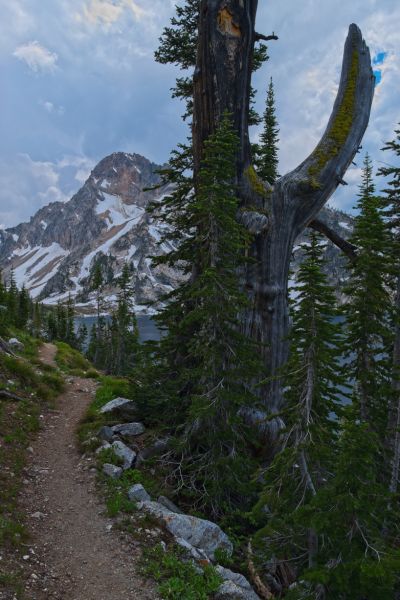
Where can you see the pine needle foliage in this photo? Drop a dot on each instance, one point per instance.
(368, 309)
(267, 150)
(209, 366)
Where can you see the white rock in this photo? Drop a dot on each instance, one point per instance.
(112, 471)
(199, 533)
(125, 453)
(237, 578)
(122, 406)
(128, 430)
(137, 493)
(190, 551)
(15, 343)
(230, 591)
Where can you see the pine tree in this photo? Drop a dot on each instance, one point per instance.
(92, 345)
(391, 208)
(70, 336)
(127, 341)
(217, 363)
(267, 150)
(350, 513)
(12, 299)
(81, 337)
(97, 286)
(368, 309)
(23, 308)
(314, 387)
(61, 320)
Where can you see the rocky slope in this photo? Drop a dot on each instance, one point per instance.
(106, 221)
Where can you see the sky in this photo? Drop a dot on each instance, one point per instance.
(79, 82)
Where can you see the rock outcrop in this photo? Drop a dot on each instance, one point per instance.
(106, 223)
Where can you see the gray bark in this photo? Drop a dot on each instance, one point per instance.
(222, 83)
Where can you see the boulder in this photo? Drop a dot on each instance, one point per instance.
(120, 406)
(112, 471)
(169, 504)
(105, 433)
(125, 453)
(237, 578)
(137, 493)
(15, 343)
(191, 552)
(231, 591)
(128, 430)
(199, 533)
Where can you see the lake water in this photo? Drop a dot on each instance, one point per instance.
(147, 328)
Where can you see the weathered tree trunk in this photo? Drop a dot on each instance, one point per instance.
(276, 216)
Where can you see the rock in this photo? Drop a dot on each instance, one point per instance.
(192, 552)
(128, 430)
(104, 446)
(125, 453)
(199, 533)
(154, 450)
(38, 515)
(121, 406)
(137, 493)
(112, 471)
(15, 343)
(237, 578)
(169, 504)
(105, 433)
(231, 591)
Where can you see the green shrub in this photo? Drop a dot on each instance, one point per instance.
(177, 579)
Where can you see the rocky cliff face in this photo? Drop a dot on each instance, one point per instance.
(106, 222)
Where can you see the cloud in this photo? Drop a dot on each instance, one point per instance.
(37, 57)
(108, 12)
(52, 108)
(26, 185)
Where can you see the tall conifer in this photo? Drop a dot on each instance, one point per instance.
(267, 149)
(368, 309)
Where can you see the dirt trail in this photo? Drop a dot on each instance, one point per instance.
(74, 554)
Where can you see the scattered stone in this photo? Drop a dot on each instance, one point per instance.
(38, 515)
(122, 406)
(169, 504)
(112, 471)
(199, 533)
(237, 578)
(231, 591)
(105, 434)
(137, 493)
(125, 453)
(15, 343)
(128, 430)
